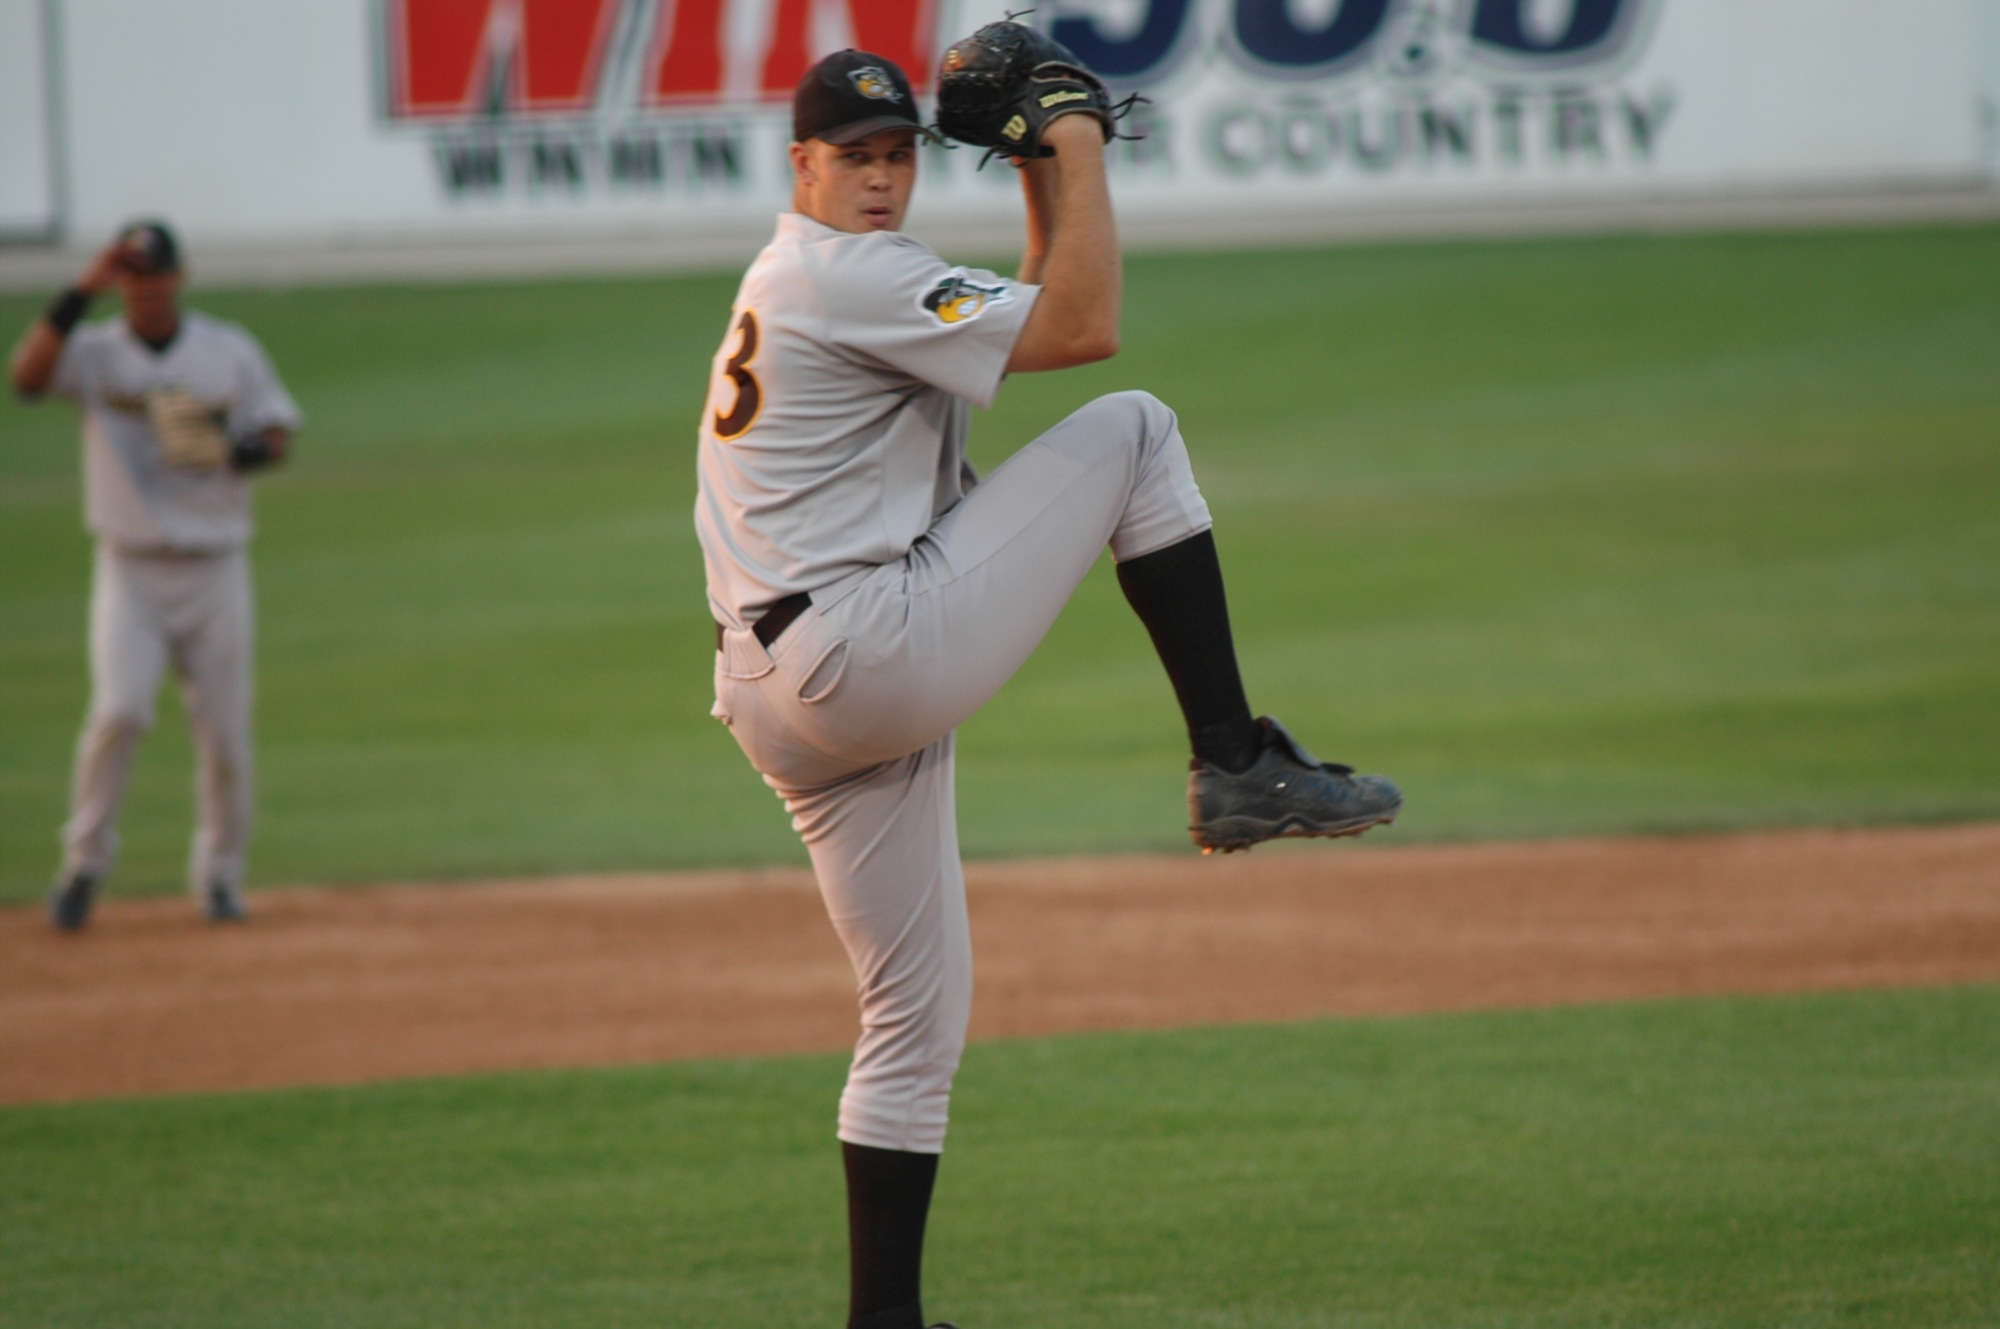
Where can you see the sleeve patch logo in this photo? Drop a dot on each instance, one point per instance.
(871, 82)
(958, 299)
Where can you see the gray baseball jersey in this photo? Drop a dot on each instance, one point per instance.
(132, 498)
(834, 434)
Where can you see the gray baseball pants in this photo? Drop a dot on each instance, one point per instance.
(149, 611)
(849, 715)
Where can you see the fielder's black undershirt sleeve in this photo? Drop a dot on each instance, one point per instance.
(888, 1201)
(68, 309)
(1177, 593)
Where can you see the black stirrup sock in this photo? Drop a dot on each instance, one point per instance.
(888, 1199)
(1177, 593)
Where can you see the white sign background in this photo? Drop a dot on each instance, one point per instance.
(248, 121)
(27, 151)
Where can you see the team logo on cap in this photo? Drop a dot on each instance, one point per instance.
(873, 82)
(958, 299)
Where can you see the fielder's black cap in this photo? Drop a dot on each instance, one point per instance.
(850, 95)
(148, 247)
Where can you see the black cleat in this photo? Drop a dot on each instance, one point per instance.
(1286, 792)
(223, 903)
(70, 902)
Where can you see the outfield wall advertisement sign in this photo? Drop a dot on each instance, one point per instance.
(597, 96)
(360, 117)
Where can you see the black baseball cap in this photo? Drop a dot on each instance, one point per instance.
(850, 95)
(148, 247)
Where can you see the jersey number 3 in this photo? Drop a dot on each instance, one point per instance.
(749, 392)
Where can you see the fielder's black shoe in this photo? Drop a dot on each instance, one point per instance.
(70, 902)
(1286, 792)
(223, 903)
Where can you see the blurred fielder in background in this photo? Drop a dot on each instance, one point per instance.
(177, 409)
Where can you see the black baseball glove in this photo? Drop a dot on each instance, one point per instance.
(1003, 86)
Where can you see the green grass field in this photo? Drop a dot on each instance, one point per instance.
(1602, 535)
(1570, 536)
(1823, 1161)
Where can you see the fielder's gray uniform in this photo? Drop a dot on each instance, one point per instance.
(172, 580)
(832, 462)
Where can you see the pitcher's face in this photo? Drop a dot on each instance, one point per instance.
(858, 187)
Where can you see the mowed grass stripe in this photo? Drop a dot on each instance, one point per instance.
(1600, 535)
(1808, 1161)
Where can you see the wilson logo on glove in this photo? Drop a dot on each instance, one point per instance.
(1069, 95)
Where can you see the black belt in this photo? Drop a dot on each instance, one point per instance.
(776, 619)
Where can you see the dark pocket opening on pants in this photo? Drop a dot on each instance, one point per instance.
(825, 674)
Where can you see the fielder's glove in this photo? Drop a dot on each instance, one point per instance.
(189, 430)
(1002, 87)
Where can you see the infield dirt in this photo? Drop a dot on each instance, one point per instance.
(341, 985)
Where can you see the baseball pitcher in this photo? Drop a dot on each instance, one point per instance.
(870, 592)
(178, 409)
